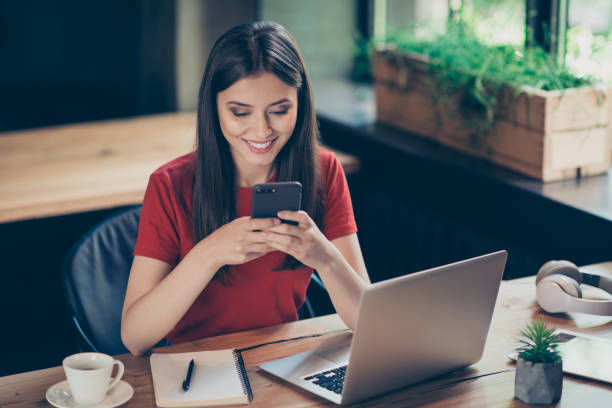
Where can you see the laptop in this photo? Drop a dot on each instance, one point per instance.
(409, 329)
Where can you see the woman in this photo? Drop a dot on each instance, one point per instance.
(202, 266)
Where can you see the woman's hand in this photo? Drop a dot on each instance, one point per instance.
(305, 242)
(239, 241)
(338, 262)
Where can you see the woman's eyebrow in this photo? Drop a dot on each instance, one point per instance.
(250, 106)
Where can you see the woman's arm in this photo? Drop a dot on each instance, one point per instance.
(346, 277)
(157, 298)
(339, 263)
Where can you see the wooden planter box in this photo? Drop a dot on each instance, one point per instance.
(548, 135)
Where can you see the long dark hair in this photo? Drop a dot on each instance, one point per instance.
(243, 51)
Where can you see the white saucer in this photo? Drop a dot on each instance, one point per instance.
(59, 396)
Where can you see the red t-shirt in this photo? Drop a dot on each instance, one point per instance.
(259, 295)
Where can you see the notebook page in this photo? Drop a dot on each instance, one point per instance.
(214, 378)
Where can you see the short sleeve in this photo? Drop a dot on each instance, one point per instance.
(158, 237)
(339, 219)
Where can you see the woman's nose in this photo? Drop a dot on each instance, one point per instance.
(262, 127)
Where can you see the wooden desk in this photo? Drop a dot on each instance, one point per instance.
(91, 166)
(488, 383)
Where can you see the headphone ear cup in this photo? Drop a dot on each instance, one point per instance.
(559, 268)
(554, 293)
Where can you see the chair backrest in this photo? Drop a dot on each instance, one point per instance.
(95, 276)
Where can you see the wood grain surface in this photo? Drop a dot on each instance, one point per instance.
(90, 166)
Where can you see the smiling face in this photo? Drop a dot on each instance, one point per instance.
(257, 116)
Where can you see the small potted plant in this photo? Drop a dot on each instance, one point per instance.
(539, 367)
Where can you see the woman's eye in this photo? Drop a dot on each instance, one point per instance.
(280, 112)
(239, 115)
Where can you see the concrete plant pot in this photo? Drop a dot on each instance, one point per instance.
(538, 383)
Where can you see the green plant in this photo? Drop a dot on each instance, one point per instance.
(539, 344)
(462, 65)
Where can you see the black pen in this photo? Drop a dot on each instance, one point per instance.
(188, 378)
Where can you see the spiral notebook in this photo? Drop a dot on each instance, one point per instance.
(218, 378)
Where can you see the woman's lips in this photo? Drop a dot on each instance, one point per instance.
(260, 147)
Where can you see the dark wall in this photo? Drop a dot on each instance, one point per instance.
(407, 226)
(71, 60)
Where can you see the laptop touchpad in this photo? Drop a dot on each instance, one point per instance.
(338, 354)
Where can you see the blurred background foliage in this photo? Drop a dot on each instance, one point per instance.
(494, 23)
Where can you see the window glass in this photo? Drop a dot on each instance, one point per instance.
(589, 38)
(493, 21)
(425, 15)
(496, 21)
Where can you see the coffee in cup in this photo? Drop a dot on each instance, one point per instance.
(89, 376)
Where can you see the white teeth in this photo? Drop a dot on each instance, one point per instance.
(259, 146)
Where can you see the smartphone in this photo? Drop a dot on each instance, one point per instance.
(270, 198)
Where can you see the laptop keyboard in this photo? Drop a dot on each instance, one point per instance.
(332, 379)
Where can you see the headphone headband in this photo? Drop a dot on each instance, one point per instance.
(590, 306)
(599, 281)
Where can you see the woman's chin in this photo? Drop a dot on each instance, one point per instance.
(261, 162)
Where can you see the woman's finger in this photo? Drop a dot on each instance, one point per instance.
(260, 248)
(286, 229)
(287, 240)
(258, 224)
(254, 237)
(299, 216)
(279, 246)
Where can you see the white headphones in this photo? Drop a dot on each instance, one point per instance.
(558, 289)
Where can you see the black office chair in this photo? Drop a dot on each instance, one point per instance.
(95, 276)
(317, 301)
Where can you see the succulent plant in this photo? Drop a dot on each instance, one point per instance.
(539, 344)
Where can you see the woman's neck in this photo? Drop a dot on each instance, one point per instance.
(254, 175)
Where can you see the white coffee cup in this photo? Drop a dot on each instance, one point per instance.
(89, 376)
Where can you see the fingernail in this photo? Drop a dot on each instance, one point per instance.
(277, 221)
